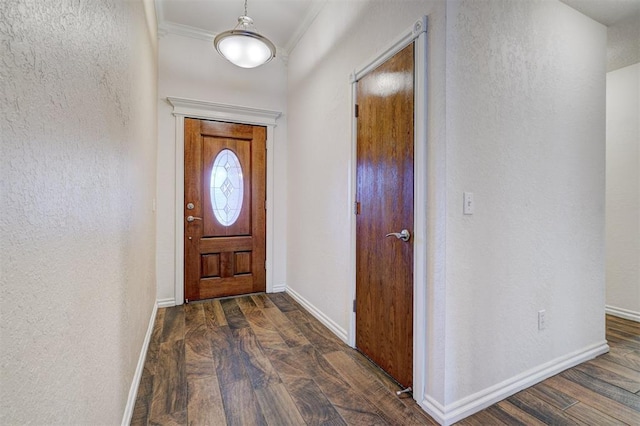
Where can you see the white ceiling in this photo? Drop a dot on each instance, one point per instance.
(284, 21)
(281, 21)
(607, 12)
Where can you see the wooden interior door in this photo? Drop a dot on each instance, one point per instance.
(224, 209)
(384, 264)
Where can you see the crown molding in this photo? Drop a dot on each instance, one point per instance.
(167, 27)
(311, 16)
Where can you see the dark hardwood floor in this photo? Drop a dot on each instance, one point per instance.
(263, 360)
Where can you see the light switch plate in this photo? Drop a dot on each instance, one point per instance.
(469, 206)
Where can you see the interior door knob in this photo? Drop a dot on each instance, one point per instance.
(403, 235)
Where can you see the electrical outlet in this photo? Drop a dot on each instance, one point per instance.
(542, 321)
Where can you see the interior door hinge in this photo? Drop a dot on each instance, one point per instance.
(357, 110)
(356, 207)
(354, 305)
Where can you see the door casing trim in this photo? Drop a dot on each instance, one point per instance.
(192, 108)
(418, 33)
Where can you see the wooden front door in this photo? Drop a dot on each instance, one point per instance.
(224, 209)
(384, 263)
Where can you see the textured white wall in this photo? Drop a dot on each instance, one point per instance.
(525, 134)
(191, 68)
(524, 131)
(78, 106)
(343, 37)
(623, 189)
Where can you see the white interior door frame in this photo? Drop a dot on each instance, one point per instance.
(418, 33)
(191, 108)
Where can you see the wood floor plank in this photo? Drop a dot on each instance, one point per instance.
(516, 413)
(623, 328)
(198, 352)
(625, 381)
(626, 359)
(390, 409)
(154, 343)
(352, 406)
(262, 301)
(632, 326)
(602, 362)
(233, 314)
(591, 416)
(193, 316)
(256, 364)
(312, 403)
(247, 305)
(503, 416)
(634, 358)
(298, 317)
(482, 418)
(603, 388)
(621, 346)
(173, 324)
(214, 314)
(277, 405)
(353, 415)
(322, 339)
(204, 402)
(226, 356)
(623, 334)
(628, 340)
(142, 406)
(169, 383)
(241, 406)
(266, 331)
(173, 419)
(552, 396)
(594, 399)
(287, 363)
(546, 413)
(381, 375)
(282, 301)
(290, 333)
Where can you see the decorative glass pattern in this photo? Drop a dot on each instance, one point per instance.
(227, 187)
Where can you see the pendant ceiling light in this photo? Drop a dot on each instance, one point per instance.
(243, 46)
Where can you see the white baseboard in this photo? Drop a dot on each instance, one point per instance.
(622, 313)
(279, 288)
(456, 411)
(135, 382)
(320, 316)
(166, 303)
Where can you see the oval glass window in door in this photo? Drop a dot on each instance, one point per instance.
(227, 187)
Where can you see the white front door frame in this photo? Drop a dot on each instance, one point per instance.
(191, 108)
(418, 33)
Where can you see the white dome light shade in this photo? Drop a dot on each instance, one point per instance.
(245, 49)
